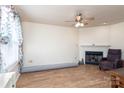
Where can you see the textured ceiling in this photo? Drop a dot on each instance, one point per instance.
(57, 14)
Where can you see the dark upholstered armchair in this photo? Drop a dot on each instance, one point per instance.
(112, 61)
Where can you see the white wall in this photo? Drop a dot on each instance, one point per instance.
(117, 36)
(103, 35)
(49, 44)
(94, 35)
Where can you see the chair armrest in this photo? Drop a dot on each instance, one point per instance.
(120, 63)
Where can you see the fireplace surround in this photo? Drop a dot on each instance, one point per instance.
(93, 57)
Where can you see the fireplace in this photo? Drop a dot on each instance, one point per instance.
(93, 57)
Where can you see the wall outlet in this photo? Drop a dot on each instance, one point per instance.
(30, 61)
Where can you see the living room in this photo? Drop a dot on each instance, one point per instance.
(55, 41)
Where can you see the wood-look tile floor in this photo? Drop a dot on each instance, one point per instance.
(83, 76)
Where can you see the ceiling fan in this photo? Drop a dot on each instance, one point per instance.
(80, 20)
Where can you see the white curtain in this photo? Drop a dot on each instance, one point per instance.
(10, 37)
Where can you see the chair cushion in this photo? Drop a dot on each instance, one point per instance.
(106, 65)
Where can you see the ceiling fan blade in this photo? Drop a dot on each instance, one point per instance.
(69, 21)
(90, 18)
(86, 23)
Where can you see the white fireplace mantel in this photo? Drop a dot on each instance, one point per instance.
(92, 47)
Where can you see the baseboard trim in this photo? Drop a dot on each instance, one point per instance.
(17, 77)
(47, 67)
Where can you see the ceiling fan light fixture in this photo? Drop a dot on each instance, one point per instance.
(104, 23)
(77, 24)
(81, 24)
(81, 21)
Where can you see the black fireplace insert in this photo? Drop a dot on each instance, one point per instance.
(93, 57)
